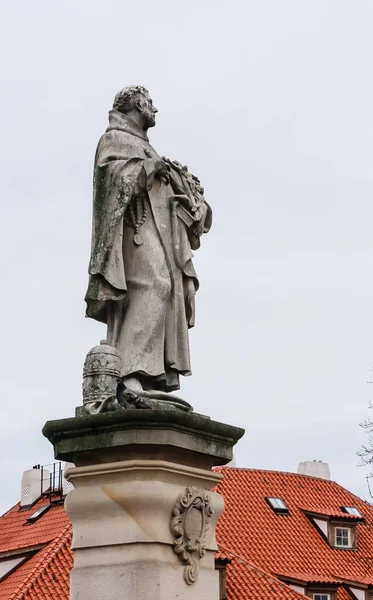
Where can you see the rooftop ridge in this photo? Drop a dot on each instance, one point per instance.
(10, 510)
(298, 475)
(227, 468)
(47, 556)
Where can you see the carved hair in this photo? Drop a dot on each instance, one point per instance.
(126, 98)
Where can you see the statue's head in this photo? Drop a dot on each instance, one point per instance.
(136, 98)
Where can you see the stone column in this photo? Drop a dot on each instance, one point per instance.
(143, 510)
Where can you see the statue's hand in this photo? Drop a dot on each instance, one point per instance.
(200, 217)
(162, 170)
(200, 212)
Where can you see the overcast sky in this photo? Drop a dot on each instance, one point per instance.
(270, 104)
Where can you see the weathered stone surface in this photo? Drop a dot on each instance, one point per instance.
(124, 546)
(142, 508)
(100, 376)
(189, 438)
(149, 214)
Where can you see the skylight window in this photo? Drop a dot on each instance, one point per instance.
(39, 513)
(9, 564)
(351, 510)
(278, 505)
(343, 537)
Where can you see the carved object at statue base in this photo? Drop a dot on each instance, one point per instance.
(104, 390)
(100, 378)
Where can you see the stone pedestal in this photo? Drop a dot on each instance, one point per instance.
(142, 510)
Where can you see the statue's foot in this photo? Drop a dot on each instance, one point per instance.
(159, 395)
(133, 384)
(156, 398)
(165, 398)
(128, 398)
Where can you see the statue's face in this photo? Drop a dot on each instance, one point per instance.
(148, 110)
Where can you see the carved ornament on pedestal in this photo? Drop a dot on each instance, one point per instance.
(190, 524)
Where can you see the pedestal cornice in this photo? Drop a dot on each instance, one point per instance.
(184, 438)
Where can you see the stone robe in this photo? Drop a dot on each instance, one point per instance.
(154, 282)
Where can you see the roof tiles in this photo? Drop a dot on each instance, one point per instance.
(50, 576)
(333, 513)
(245, 580)
(46, 573)
(291, 544)
(16, 533)
(261, 546)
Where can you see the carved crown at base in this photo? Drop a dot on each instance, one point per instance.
(100, 373)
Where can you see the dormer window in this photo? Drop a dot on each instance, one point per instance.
(342, 537)
(338, 528)
(321, 597)
(278, 505)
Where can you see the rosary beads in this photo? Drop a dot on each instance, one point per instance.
(135, 216)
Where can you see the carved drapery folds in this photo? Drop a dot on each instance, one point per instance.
(190, 523)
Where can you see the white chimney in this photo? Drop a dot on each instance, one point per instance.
(32, 485)
(314, 468)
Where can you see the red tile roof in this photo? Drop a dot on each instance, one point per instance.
(310, 578)
(245, 580)
(261, 546)
(285, 545)
(343, 594)
(46, 573)
(50, 575)
(16, 533)
(329, 512)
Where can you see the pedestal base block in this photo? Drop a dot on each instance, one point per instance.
(142, 508)
(140, 579)
(122, 537)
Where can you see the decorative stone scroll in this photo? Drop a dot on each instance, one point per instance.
(190, 523)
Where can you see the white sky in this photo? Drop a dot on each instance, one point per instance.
(270, 104)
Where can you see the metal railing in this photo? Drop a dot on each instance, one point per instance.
(51, 482)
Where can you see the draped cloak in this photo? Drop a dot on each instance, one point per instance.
(155, 282)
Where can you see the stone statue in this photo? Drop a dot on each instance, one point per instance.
(148, 215)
